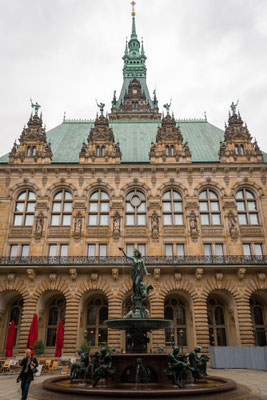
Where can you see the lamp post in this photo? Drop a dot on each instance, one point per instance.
(181, 334)
(85, 334)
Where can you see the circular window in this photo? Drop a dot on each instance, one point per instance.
(135, 200)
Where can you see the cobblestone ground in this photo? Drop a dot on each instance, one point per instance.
(10, 390)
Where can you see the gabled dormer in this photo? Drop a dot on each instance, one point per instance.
(237, 145)
(169, 146)
(101, 147)
(33, 147)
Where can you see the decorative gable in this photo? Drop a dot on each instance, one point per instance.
(169, 145)
(33, 147)
(237, 145)
(101, 147)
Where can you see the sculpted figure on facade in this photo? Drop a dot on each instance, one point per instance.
(155, 225)
(157, 274)
(73, 274)
(193, 225)
(261, 278)
(39, 225)
(219, 279)
(31, 274)
(116, 226)
(199, 273)
(232, 223)
(115, 274)
(78, 223)
(241, 273)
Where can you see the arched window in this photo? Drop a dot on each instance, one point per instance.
(97, 313)
(62, 208)
(15, 315)
(236, 149)
(34, 151)
(167, 150)
(98, 208)
(242, 152)
(103, 151)
(98, 151)
(259, 322)
(172, 208)
(56, 312)
(172, 150)
(174, 309)
(29, 150)
(24, 208)
(246, 207)
(216, 321)
(209, 207)
(135, 208)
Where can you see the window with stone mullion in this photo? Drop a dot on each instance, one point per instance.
(98, 209)
(24, 209)
(246, 208)
(172, 208)
(135, 208)
(62, 209)
(209, 207)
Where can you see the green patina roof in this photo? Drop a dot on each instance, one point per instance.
(135, 140)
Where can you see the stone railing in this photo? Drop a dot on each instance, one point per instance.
(150, 260)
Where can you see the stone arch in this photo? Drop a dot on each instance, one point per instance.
(18, 187)
(89, 189)
(55, 283)
(135, 184)
(51, 190)
(254, 187)
(172, 184)
(219, 190)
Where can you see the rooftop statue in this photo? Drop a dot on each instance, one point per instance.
(36, 107)
(233, 107)
(101, 107)
(168, 106)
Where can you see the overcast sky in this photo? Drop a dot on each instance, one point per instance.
(203, 54)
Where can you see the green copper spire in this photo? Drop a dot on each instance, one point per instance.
(134, 59)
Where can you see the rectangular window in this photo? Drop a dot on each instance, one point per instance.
(91, 250)
(168, 250)
(219, 249)
(102, 250)
(25, 248)
(247, 249)
(180, 250)
(52, 250)
(129, 220)
(216, 219)
(141, 219)
(242, 219)
(258, 249)
(13, 251)
(167, 219)
(64, 248)
(129, 249)
(207, 250)
(178, 219)
(142, 248)
(204, 219)
(254, 220)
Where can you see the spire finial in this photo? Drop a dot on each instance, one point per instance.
(133, 3)
(133, 35)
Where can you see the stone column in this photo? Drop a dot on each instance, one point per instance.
(245, 321)
(115, 311)
(71, 327)
(201, 322)
(28, 310)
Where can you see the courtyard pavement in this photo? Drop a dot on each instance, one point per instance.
(9, 389)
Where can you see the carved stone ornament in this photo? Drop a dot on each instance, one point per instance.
(155, 225)
(157, 274)
(73, 274)
(115, 274)
(261, 278)
(77, 227)
(241, 273)
(31, 274)
(53, 278)
(39, 225)
(116, 226)
(178, 277)
(193, 225)
(94, 277)
(11, 279)
(219, 279)
(199, 273)
(232, 224)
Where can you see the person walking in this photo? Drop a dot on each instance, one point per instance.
(29, 366)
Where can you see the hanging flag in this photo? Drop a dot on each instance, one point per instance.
(59, 339)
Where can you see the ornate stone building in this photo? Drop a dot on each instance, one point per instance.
(190, 196)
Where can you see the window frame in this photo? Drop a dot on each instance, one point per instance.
(61, 213)
(172, 213)
(97, 326)
(99, 201)
(247, 213)
(209, 213)
(136, 192)
(26, 202)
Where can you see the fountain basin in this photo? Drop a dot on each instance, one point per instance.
(133, 324)
(214, 385)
